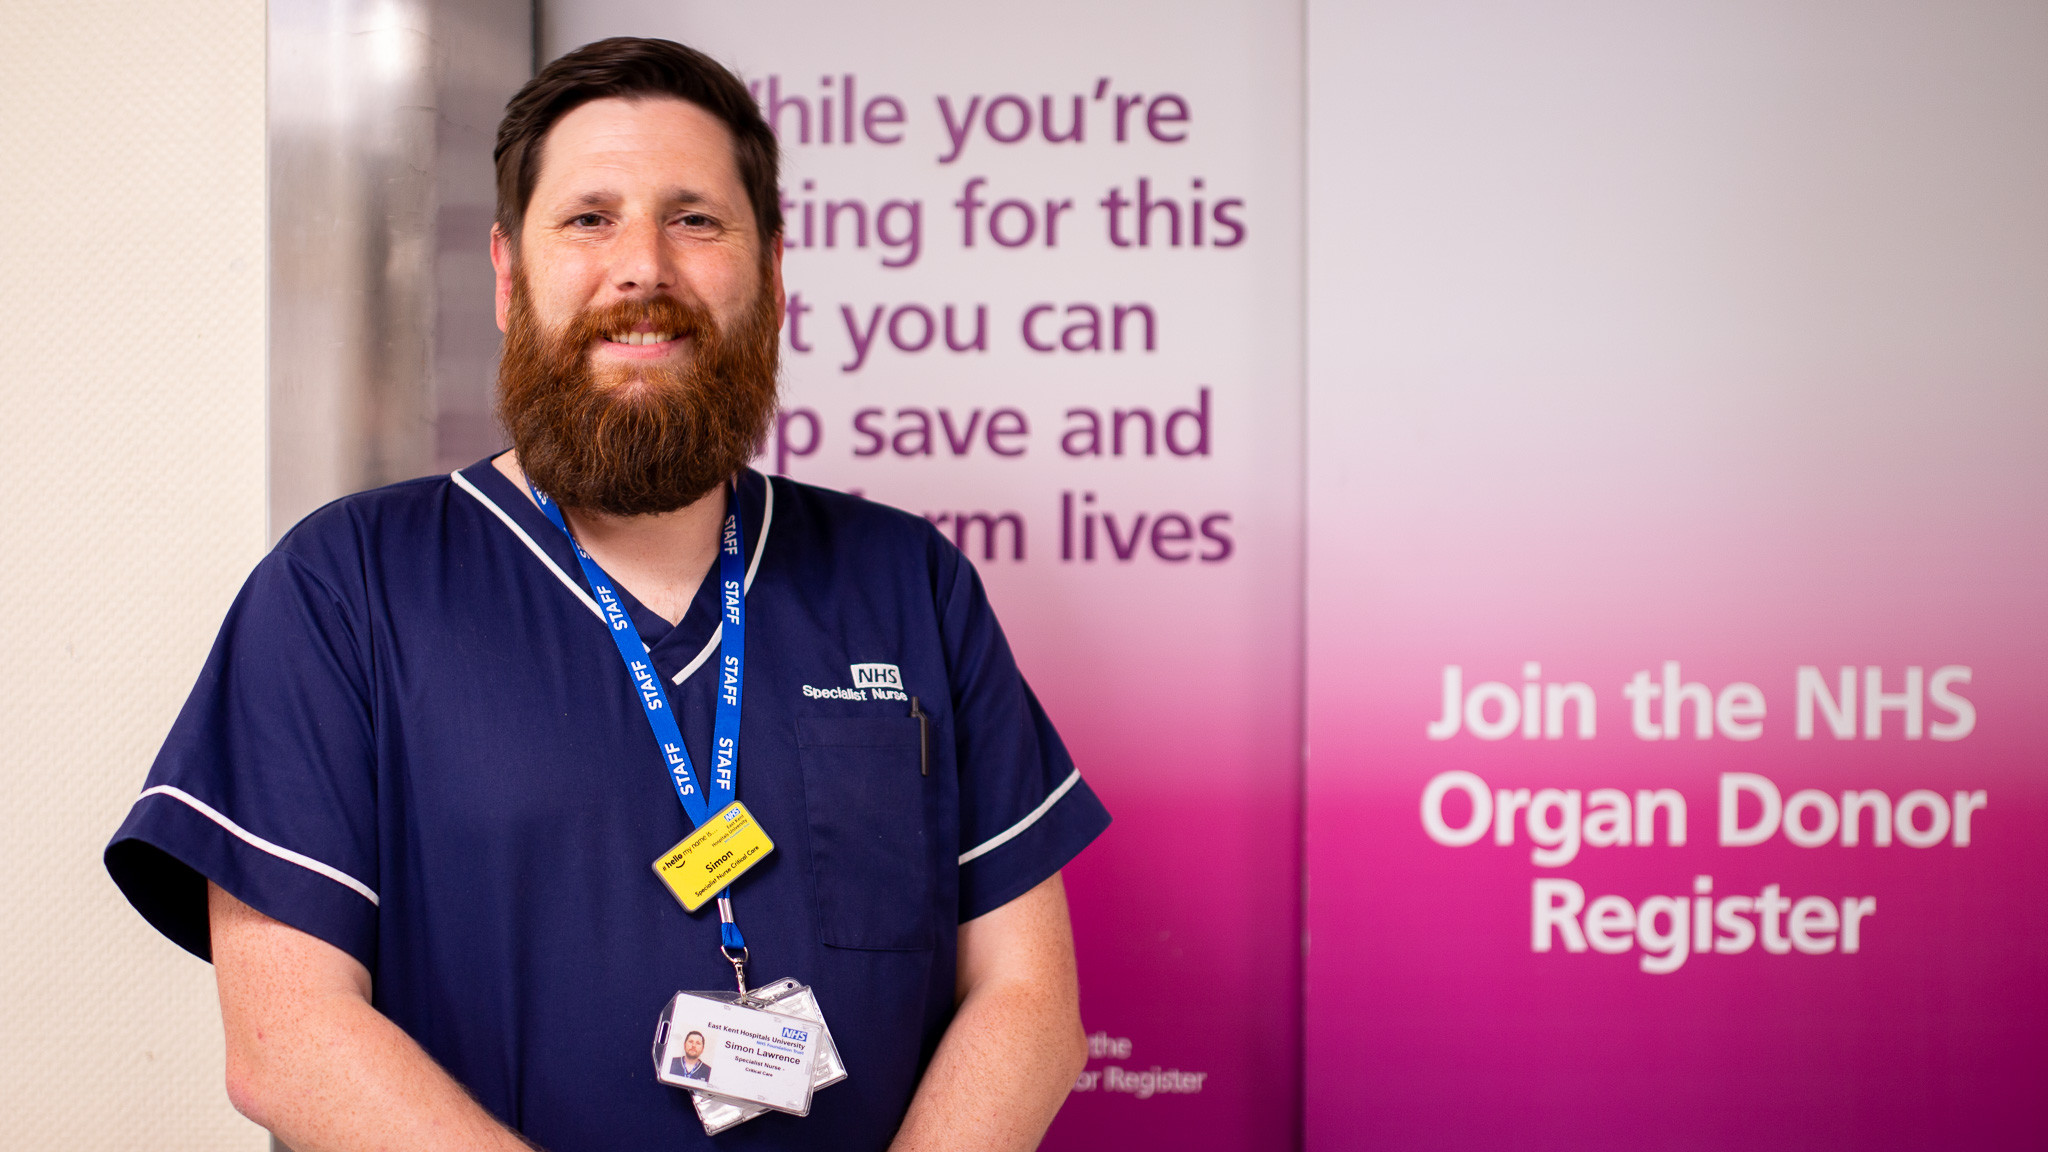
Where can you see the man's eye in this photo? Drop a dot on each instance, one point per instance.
(587, 220)
(694, 220)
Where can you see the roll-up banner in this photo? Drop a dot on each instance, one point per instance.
(1678, 409)
(1674, 532)
(1044, 268)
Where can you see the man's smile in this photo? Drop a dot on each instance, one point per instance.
(640, 337)
(641, 345)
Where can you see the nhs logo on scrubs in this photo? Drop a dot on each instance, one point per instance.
(870, 682)
(877, 676)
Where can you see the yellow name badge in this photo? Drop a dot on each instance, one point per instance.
(713, 856)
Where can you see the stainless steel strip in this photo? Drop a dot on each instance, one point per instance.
(381, 114)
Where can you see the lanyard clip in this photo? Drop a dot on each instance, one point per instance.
(737, 957)
(924, 737)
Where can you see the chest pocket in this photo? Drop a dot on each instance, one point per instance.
(871, 851)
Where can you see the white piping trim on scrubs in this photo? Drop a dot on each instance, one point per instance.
(1015, 830)
(462, 482)
(710, 645)
(258, 842)
(747, 585)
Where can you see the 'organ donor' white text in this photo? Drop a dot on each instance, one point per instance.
(1752, 809)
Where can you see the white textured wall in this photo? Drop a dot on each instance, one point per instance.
(131, 501)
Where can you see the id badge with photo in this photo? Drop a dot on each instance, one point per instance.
(794, 999)
(751, 1055)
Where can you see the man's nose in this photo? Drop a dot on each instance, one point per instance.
(644, 265)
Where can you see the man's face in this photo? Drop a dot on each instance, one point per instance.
(693, 1046)
(640, 311)
(636, 199)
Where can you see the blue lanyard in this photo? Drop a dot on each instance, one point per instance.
(732, 648)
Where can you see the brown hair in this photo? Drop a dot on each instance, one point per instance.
(632, 66)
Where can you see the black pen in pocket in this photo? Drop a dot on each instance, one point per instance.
(924, 738)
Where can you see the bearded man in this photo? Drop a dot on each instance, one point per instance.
(410, 808)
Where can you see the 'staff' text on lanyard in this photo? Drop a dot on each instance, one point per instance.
(726, 833)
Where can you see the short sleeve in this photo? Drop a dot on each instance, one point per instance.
(266, 784)
(1024, 809)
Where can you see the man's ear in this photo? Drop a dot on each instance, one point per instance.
(774, 279)
(501, 267)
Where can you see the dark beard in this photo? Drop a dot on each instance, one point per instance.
(633, 447)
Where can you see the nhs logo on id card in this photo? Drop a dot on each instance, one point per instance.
(877, 676)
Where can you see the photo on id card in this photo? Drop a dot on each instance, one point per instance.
(740, 1053)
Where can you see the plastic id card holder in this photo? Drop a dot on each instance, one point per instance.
(746, 1054)
(794, 999)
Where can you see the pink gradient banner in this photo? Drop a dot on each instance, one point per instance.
(1629, 418)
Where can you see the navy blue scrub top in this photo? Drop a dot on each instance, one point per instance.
(415, 740)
